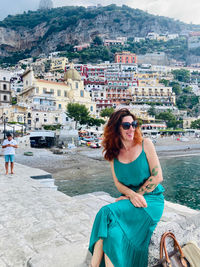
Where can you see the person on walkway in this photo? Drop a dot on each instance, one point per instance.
(9, 145)
(122, 230)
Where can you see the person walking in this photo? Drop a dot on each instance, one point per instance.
(122, 230)
(9, 145)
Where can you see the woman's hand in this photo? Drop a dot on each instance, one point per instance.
(138, 200)
(121, 198)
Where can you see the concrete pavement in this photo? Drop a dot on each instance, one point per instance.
(41, 227)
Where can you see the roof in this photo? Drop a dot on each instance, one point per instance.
(45, 81)
(73, 75)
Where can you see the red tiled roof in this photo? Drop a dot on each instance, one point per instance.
(45, 81)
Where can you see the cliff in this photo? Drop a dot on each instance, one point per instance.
(40, 31)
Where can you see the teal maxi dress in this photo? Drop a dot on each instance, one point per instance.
(126, 230)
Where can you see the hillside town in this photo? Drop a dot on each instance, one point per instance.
(35, 94)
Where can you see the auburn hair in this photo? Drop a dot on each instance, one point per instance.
(112, 138)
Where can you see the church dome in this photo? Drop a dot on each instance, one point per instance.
(73, 75)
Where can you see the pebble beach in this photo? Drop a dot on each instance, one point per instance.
(84, 161)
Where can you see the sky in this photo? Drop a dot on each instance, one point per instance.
(185, 10)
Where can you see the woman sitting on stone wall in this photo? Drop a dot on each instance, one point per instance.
(122, 230)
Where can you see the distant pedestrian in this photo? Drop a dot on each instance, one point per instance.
(9, 145)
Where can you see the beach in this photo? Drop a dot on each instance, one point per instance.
(84, 161)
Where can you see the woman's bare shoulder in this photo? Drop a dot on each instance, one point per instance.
(147, 141)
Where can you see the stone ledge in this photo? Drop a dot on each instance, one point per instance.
(43, 227)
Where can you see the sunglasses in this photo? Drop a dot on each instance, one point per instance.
(127, 125)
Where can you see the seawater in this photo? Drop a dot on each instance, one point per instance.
(181, 182)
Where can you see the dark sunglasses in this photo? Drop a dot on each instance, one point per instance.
(127, 125)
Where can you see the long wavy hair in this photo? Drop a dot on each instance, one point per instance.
(112, 138)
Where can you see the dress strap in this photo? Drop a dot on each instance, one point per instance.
(143, 144)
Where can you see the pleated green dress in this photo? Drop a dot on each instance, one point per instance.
(126, 230)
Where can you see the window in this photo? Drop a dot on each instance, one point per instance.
(4, 87)
(5, 97)
(59, 106)
(76, 85)
(45, 115)
(36, 90)
(29, 115)
(52, 91)
(65, 93)
(37, 119)
(56, 119)
(44, 90)
(45, 120)
(26, 82)
(59, 93)
(101, 94)
(4, 78)
(82, 93)
(29, 122)
(91, 108)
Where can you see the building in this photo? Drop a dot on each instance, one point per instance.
(139, 39)
(188, 120)
(125, 57)
(58, 64)
(153, 94)
(157, 58)
(113, 42)
(97, 89)
(193, 40)
(81, 47)
(48, 100)
(152, 36)
(5, 88)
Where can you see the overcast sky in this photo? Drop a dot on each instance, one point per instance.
(184, 10)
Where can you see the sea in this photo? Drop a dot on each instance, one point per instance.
(181, 181)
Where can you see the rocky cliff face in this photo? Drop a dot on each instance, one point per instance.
(107, 23)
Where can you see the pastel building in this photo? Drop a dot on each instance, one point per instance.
(153, 94)
(125, 57)
(5, 88)
(45, 97)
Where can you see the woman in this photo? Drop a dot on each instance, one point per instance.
(122, 230)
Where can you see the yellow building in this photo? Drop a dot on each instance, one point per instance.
(187, 122)
(47, 97)
(147, 78)
(153, 94)
(58, 63)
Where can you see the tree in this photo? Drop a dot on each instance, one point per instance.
(187, 90)
(176, 87)
(165, 82)
(107, 112)
(97, 41)
(78, 112)
(195, 124)
(95, 122)
(168, 118)
(181, 75)
(152, 111)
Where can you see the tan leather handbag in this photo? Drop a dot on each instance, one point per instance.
(174, 258)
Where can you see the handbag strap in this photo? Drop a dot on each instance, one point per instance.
(176, 245)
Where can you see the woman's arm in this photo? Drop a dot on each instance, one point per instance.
(136, 199)
(155, 168)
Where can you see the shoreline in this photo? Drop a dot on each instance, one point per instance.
(85, 161)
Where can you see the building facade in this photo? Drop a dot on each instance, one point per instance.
(5, 88)
(125, 57)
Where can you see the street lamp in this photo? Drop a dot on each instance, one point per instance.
(24, 123)
(4, 125)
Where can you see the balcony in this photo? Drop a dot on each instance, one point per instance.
(43, 107)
